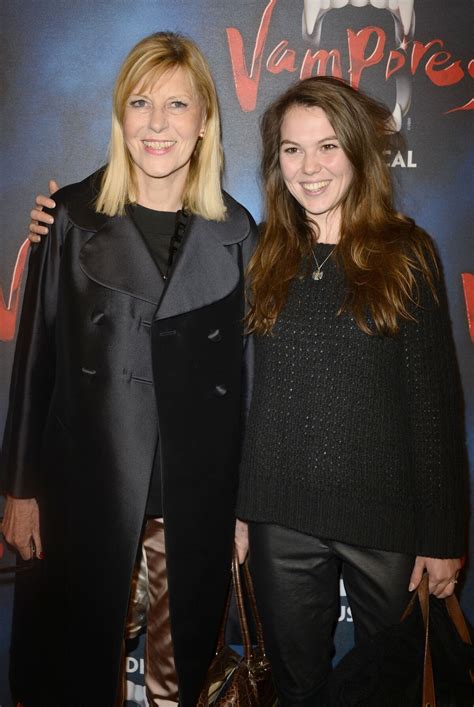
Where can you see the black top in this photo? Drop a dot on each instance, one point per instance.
(157, 229)
(353, 437)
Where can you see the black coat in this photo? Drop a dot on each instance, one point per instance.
(108, 361)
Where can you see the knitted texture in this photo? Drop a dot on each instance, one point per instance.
(353, 437)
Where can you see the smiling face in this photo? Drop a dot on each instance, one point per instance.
(313, 164)
(161, 127)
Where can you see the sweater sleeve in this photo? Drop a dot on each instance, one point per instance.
(33, 370)
(435, 410)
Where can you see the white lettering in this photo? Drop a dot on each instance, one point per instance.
(410, 163)
(346, 614)
(399, 160)
(131, 665)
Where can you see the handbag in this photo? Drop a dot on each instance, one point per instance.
(235, 680)
(427, 660)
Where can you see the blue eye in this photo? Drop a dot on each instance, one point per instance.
(138, 103)
(177, 105)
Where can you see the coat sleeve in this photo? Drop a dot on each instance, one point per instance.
(34, 366)
(435, 409)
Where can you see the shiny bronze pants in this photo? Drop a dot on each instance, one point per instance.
(150, 595)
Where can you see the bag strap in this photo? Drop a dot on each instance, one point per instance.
(429, 696)
(237, 571)
(421, 594)
(457, 617)
(225, 616)
(239, 598)
(236, 585)
(253, 606)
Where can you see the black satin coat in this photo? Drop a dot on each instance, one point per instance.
(108, 361)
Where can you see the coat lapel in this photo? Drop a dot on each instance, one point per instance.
(117, 257)
(205, 270)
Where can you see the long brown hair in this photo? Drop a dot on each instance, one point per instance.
(379, 250)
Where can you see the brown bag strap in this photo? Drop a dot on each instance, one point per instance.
(239, 599)
(225, 616)
(429, 697)
(253, 606)
(422, 595)
(457, 617)
(236, 584)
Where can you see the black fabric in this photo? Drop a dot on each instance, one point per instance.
(82, 429)
(387, 670)
(354, 437)
(296, 578)
(157, 229)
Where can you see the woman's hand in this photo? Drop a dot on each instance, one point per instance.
(241, 539)
(38, 216)
(21, 528)
(442, 574)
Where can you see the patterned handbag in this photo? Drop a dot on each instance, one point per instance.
(234, 680)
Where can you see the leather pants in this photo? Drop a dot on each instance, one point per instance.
(296, 578)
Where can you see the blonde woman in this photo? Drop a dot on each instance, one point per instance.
(127, 394)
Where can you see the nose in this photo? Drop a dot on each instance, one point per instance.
(158, 119)
(311, 163)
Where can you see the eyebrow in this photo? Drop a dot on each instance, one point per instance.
(293, 142)
(173, 97)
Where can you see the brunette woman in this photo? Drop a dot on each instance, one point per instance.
(126, 398)
(354, 456)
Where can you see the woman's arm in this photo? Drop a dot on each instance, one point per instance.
(435, 410)
(31, 389)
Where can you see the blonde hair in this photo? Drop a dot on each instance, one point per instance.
(147, 61)
(380, 250)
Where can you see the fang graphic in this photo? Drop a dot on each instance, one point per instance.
(403, 14)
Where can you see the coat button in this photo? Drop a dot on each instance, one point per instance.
(220, 390)
(214, 335)
(97, 317)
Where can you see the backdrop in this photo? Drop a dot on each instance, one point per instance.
(60, 58)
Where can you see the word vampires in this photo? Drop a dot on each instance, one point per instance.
(437, 61)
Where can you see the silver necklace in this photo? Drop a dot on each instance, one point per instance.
(318, 273)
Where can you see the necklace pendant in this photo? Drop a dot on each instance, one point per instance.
(317, 275)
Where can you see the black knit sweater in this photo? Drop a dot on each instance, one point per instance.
(353, 437)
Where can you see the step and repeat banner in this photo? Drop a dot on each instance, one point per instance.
(60, 58)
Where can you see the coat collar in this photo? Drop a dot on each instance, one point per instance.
(205, 270)
(117, 257)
